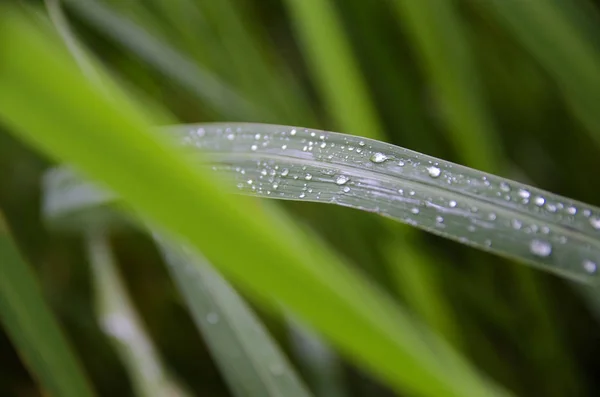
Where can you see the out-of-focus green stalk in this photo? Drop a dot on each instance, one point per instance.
(120, 322)
(32, 327)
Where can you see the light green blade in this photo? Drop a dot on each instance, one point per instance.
(31, 326)
(58, 111)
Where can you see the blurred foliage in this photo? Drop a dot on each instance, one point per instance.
(276, 61)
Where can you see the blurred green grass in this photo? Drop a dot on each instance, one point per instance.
(537, 102)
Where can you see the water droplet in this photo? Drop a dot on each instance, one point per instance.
(439, 219)
(302, 195)
(378, 158)
(504, 187)
(452, 203)
(540, 248)
(283, 147)
(230, 137)
(589, 266)
(539, 201)
(323, 145)
(341, 180)
(595, 222)
(275, 186)
(293, 132)
(401, 163)
(492, 216)
(249, 181)
(346, 189)
(285, 172)
(212, 318)
(414, 211)
(361, 143)
(253, 147)
(524, 193)
(308, 177)
(434, 172)
(571, 210)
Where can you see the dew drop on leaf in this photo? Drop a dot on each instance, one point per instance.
(341, 180)
(589, 266)
(504, 187)
(434, 172)
(539, 201)
(378, 158)
(524, 193)
(540, 248)
(595, 222)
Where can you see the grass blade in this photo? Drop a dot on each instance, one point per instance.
(560, 47)
(248, 357)
(337, 74)
(205, 85)
(436, 31)
(32, 327)
(120, 322)
(322, 365)
(58, 111)
(475, 208)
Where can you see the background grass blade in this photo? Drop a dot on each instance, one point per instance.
(32, 327)
(437, 33)
(204, 84)
(120, 322)
(248, 357)
(337, 74)
(50, 108)
(321, 364)
(572, 60)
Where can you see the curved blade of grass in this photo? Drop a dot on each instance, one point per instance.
(57, 110)
(30, 324)
(249, 359)
(120, 322)
(475, 208)
(560, 47)
(189, 75)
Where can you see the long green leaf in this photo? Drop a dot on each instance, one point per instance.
(57, 110)
(32, 327)
(475, 208)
